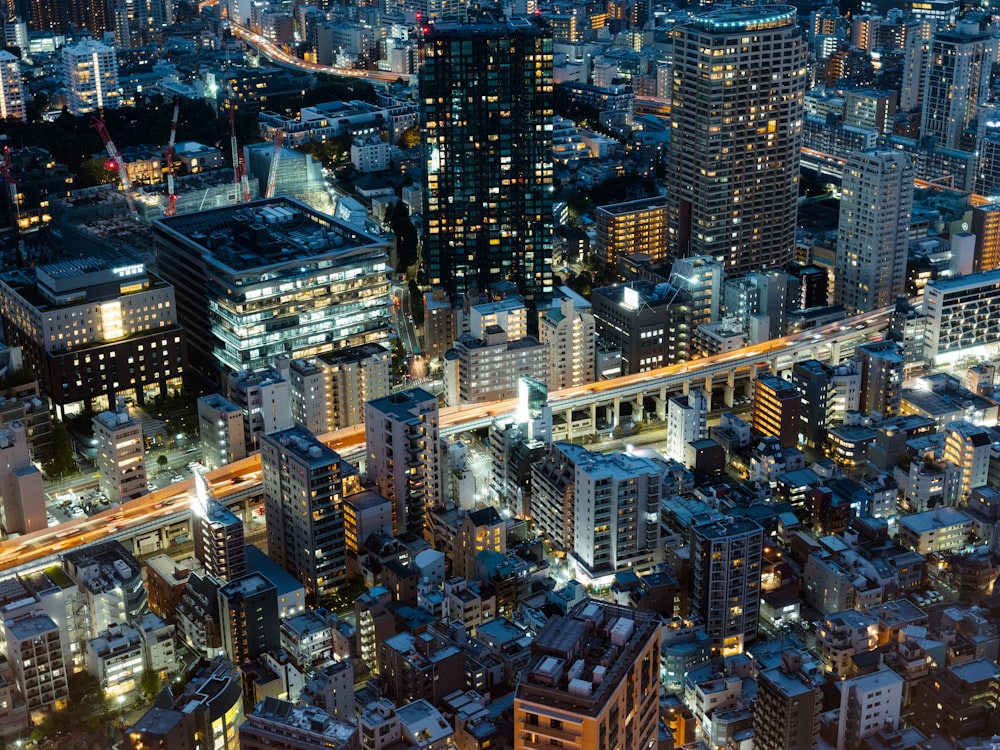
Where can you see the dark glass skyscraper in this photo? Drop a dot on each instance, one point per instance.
(486, 93)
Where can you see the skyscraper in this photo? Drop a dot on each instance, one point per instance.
(11, 94)
(486, 96)
(304, 501)
(90, 73)
(874, 229)
(738, 84)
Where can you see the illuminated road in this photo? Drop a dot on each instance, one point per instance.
(274, 53)
(350, 442)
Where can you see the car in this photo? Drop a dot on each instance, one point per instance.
(176, 478)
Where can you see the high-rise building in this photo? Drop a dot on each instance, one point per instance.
(486, 93)
(121, 454)
(867, 704)
(634, 227)
(958, 81)
(568, 328)
(11, 94)
(568, 694)
(874, 230)
(882, 367)
(986, 228)
(404, 455)
(786, 714)
(90, 74)
(219, 541)
(22, 508)
(248, 616)
(968, 447)
(826, 393)
(263, 396)
(304, 502)
(272, 277)
(39, 659)
(725, 582)
(739, 77)
(649, 322)
(776, 408)
(687, 421)
(220, 428)
(916, 52)
(951, 329)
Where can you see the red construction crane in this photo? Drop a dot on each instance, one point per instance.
(171, 193)
(15, 208)
(272, 174)
(117, 162)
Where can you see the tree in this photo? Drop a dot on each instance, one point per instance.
(162, 461)
(149, 684)
(94, 171)
(406, 235)
(61, 459)
(410, 138)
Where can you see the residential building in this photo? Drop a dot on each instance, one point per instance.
(115, 657)
(943, 529)
(649, 322)
(634, 227)
(760, 58)
(969, 448)
(568, 329)
(219, 541)
(958, 700)
(340, 277)
(687, 421)
(868, 703)
(280, 724)
(403, 453)
(90, 74)
(22, 509)
(986, 227)
(11, 93)
(952, 332)
(248, 614)
(264, 399)
(121, 454)
(574, 688)
(788, 706)
(882, 366)
(329, 391)
(414, 667)
(95, 328)
(109, 580)
(304, 486)
(725, 581)
(479, 230)
(827, 393)
(776, 408)
(874, 230)
(40, 661)
(221, 431)
(479, 530)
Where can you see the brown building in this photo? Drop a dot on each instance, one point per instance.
(634, 227)
(776, 407)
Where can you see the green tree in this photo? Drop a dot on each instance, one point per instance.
(61, 460)
(162, 461)
(410, 138)
(149, 684)
(94, 171)
(406, 235)
(416, 303)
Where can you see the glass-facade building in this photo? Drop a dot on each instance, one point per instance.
(273, 277)
(486, 95)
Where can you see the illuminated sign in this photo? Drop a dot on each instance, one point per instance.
(630, 298)
(132, 270)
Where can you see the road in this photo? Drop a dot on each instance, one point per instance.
(402, 311)
(350, 442)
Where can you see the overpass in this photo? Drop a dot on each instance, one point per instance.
(161, 519)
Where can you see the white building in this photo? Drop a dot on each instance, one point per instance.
(868, 704)
(403, 455)
(121, 454)
(11, 93)
(568, 328)
(969, 448)
(115, 658)
(90, 74)
(220, 427)
(687, 421)
(952, 333)
(369, 153)
(263, 395)
(943, 529)
(22, 509)
(873, 236)
(39, 659)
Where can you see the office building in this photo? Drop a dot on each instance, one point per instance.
(403, 455)
(687, 421)
(969, 448)
(486, 98)
(329, 392)
(280, 724)
(221, 431)
(958, 81)
(232, 266)
(725, 580)
(90, 75)
(874, 230)
(304, 484)
(789, 702)
(39, 659)
(882, 366)
(568, 329)
(248, 615)
(121, 454)
(263, 396)
(219, 540)
(826, 393)
(94, 328)
(953, 330)
(958, 700)
(109, 578)
(574, 689)
(11, 94)
(868, 703)
(22, 509)
(776, 408)
(650, 323)
(733, 183)
(758, 304)
(634, 227)
(986, 228)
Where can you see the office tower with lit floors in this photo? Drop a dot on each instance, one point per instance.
(874, 230)
(739, 78)
(304, 502)
(486, 96)
(725, 580)
(90, 74)
(11, 93)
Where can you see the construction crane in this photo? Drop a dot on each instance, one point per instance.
(272, 174)
(239, 166)
(171, 193)
(117, 162)
(15, 207)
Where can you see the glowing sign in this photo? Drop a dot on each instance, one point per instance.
(630, 298)
(132, 270)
